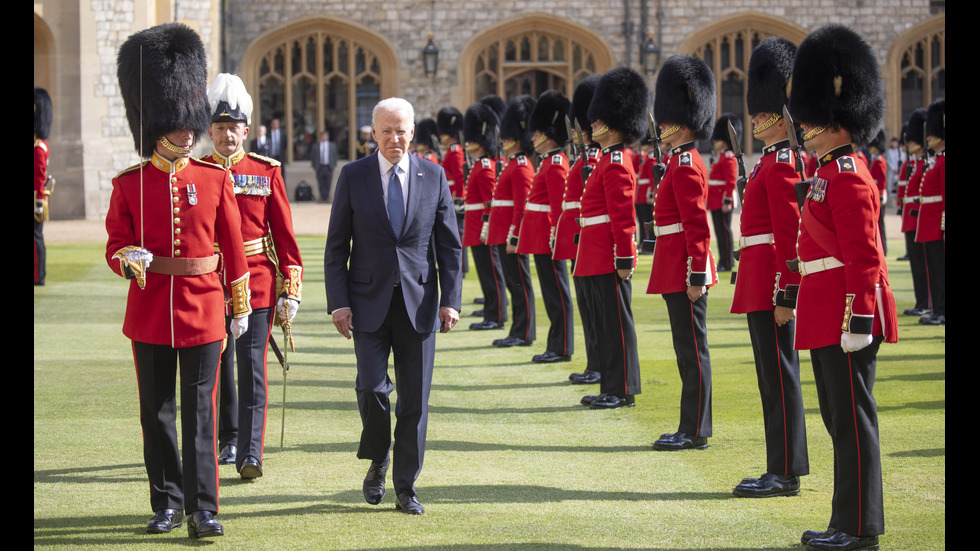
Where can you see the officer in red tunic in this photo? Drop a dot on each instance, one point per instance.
(768, 225)
(479, 129)
(568, 231)
(682, 265)
(644, 192)
(42, 127)
(845, 306)
(915, 138)
(721, 187)
(931, 227)
(607, 249)
(537, 233)
(878, 167)
(164, 218)
(274, 263)
(506, 211)
(449, 122)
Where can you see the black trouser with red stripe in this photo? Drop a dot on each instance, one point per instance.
(252, 350)
(583, 296)
(777, 366)
(517, 277)
(187, 479)
(612, 317)
(557, 296)
(935, 257)
(723, 233)
(920, 276)
(690, 335)
(227, 394)
(491, 278)
(844, 389)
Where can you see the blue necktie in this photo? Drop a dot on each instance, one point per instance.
(396, 203)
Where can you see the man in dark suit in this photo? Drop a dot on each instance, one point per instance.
(324, 159)
(260, 144)
(392, 246)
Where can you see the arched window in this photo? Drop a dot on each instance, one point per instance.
(917, 63)
(320, 74)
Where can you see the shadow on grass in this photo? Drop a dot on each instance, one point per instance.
(927, 452)
(99, 474)
(462, 446)
(435, 386)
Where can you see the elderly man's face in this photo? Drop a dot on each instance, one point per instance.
(393, 130)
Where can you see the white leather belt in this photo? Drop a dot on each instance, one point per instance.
(473, 206)
(593, 220)
(567, 205)
(819, 265)
(668, 230)
(643, 181)
(536, 207)
(716, 182)
(931, 199)
(502, 203)
(752, 240)
(911, 199)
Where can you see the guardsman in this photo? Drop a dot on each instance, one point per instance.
(721, 187)
(682, 265)
(274, 263)
(768, 225)
(506, 211)
(644, 192)
(425, 131)
(845, 306)
(915, 139)
(878, 166)
(931, 227)
(449, 122)
(43, 114)
(537, 233)
(165, 217)
(607, 249)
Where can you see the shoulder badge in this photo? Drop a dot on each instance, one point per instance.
(267, 160)
(485, 162)
(685, 159)
(784, 155)
(522, 160)
(557, 159)
(593, 153)
(41, 144)
(454, 147)
(616, 157)
(846, 164)
(729, 154)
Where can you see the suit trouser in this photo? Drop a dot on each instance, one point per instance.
(414, 356)
(844, 389)
(612, 317)
(517, 277)
(324, 177)
(777, 366)
(920, 277)
(491, 278)
(557, 297)
(227, 395)
(186, 479)
(583, 296)
(690, 335)
(251, 350)
(723, 233)
(935, 255)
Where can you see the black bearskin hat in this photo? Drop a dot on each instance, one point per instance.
(581, 100)
(229, 100)
(549, 114)
(43, 114)
(916, 127)
(425, 130)
(686, 95)
(450, 121)
(721, 128)
(878, 142)
(174, 83)
(769, 70)
(516, 123)
(837, 83)
(494, 102)
(936, 119)
(620, 101)
(478, 127)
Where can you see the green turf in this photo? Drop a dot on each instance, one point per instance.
(513, 461)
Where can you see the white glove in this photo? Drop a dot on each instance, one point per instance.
(286, 308)
(484, 232)
(852, 342)
(239, 326)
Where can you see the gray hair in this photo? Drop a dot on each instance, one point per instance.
(396, 105)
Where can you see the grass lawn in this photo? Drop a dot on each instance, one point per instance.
(513, 462)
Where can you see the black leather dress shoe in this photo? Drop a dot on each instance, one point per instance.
(228, 455)
(374, 482)
(477, 313)
(484, 325)
(817, 535)
(917, 311)
(549, 357)
(611, 401)
(202, 524)
(588, 378)
(408, 503)
(769, 485)
(251, 468)
(842, 542)
(587, 400)
(510, 341)
(479, 300)
(164, 521)
(680, 441)
(933, 320)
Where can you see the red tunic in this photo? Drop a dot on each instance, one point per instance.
(644, 181)
(769, 207)
(479, 193)
(40, 167)
(177, 311)
(605, 247)
(512, 188)
(567, 230)
(544, 205)
(910, 206)
(932, 209)
(684, 258)
(902, 184)
(840, 220)
(452, 163)
(879, 173)
(264, 208)
(721, 181)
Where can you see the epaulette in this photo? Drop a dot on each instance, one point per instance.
(208, 163)
(846, 164)
(41, 144)
(616, 157)
(685, 159)
(454, 147)
(784, 155)
(522, 160)
(267, 160)
(556, 160)
(486, 163)
(593, 153)
(132, 169)
(729, 154)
